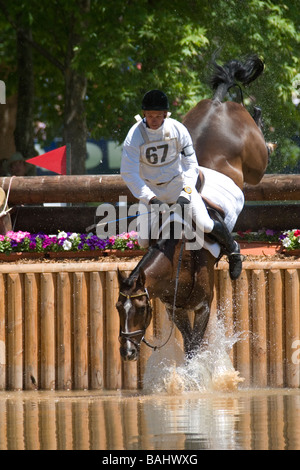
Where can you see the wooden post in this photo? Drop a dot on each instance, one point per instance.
(64, 332)
(145, 350)
(259, 329)
(112, 353)
(2, 333)
(292, 327)
(47, 335)
(97, 303)
(80, 328)
(31, 333)
(242, 319)
(14, 332)
(276, 327)
(130, 370)
(225, 304)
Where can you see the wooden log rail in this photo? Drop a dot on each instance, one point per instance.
(108, 188)
(59, 325)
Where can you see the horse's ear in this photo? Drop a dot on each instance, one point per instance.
(120, 277)
(142, 277)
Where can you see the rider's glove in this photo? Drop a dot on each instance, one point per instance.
(157, 201)
(159, 205)
(182, 201)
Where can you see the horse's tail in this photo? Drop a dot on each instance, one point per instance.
(234, 71)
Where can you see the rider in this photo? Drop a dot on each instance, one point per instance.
(159, 166)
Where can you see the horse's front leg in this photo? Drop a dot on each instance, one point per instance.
(193, 336)
(202, 317)
(182, 321)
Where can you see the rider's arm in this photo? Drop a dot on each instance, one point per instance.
(130, 171)
(189, 161)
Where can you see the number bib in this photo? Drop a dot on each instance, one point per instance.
(159, 153)
(159, 160)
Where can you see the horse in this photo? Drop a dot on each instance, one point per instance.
(229, 140)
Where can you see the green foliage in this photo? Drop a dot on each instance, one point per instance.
(126, 47)
(286, 159)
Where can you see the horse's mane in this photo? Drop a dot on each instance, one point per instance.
(162, 246)
(135, 272)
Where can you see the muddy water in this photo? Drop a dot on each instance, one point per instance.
(185, 405)
(245, 419)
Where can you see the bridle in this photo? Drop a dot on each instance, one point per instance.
(130, 335)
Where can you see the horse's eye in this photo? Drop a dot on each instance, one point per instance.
(142, 309)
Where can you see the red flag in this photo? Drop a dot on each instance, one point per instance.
(56, 160)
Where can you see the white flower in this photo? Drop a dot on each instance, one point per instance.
(73, 236)
(286, 242)
(67, 245)
(62, 235)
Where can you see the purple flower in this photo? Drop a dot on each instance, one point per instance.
(270, 232)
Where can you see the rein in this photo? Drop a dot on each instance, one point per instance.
(143, 331)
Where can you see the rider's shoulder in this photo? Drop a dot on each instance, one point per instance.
(134, 133)
(180, 128)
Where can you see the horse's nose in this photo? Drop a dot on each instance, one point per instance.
(129, 354)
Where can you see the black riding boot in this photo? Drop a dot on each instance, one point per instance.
(231, 248)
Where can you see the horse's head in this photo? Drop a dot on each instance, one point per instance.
(135, 314)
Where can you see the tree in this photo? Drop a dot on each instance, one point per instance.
(58, 48)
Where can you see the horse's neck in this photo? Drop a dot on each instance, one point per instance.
(161, 268)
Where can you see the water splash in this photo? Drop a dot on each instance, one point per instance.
(210, 369)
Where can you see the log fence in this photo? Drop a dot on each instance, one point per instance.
(78, 196)
(59, 325)
(108, 188)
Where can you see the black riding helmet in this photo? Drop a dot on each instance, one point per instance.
(155, 100)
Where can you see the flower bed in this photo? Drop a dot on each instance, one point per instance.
(16, 245)
(290, 240)
(270, 241)
(264, 236)
(66, 242)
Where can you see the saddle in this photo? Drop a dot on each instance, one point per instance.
(213, 209)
